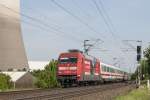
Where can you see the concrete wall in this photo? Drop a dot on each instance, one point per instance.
(12, 52)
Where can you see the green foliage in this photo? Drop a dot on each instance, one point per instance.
(5, 82)
(134, 76)
(147, 53)
(144, 69)
(144, 65)
(147, 62)
(46, 78)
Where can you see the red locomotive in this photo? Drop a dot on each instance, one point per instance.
(76, 68)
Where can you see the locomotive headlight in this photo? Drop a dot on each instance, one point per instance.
(73, 68)
(67, 68)
(59, 72)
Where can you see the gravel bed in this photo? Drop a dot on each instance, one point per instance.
(105, 95)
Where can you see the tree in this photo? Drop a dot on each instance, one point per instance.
(147, 56)
(144, 65)
(5, 82)
(147, 53)
(51, 73)
(46, 78)
(144, 69)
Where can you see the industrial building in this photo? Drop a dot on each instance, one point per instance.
(21, 79)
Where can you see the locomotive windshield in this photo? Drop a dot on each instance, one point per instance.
(68, 60)
(73, 60)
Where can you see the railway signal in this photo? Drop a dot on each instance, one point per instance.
(139, 53)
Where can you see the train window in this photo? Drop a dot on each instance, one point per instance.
(103, 68)
(107, 69)
(63, 60)
(73, 60)
(118, 72)
(121, 72)
(115, 71)
(68, 60)
(111, 70)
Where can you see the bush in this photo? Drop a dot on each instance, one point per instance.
(46, 78)
(5, 82)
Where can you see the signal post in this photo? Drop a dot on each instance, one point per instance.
(139, 54)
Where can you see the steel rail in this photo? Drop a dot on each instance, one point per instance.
(72, 92)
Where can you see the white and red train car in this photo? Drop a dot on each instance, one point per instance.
(76, 68)
(112, 73)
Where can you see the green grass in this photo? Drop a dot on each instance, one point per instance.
(138, 94)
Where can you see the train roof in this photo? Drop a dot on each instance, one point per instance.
(111, 66)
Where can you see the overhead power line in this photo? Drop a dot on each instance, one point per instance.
(75, 17)
(41, 22)
(27, 22)
(108, 23)
(106, 14)
(102, 15)
(88, 15)
(57, 26)
(44, 16)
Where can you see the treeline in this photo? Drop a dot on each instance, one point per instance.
(43, 78)
(46, 78)
(144, 66)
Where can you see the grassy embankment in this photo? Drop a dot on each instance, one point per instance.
(139, 94)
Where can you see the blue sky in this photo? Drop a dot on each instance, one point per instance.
(130, 20)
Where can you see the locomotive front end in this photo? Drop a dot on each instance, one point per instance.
(67, 69)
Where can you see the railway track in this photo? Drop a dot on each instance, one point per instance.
(59, 94)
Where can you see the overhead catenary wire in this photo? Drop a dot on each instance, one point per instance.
(106, 18)
(42, 16)
(76, 17)
(46, 25)
(102, 15)
(88, 15)
(106, 14)
(26, 22)
(41, 22)
(107, 21)
(58, 26)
